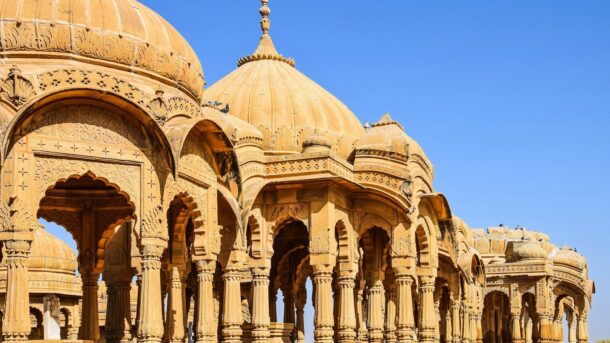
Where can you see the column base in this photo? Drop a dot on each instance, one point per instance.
(15, 338)
(150, 340)
(375, 336)
(346, 335)
(324, 335)
(231, 334)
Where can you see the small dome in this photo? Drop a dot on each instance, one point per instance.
(124, 32)
(50, 253)
(569, 257)
(267, 91)
(388, 138)
(529, 250)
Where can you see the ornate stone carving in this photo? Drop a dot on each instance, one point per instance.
(16, 216)
(154, 225)
(16, 89)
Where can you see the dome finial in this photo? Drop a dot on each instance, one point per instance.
(265, 22)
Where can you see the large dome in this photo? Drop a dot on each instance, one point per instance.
(52, 266)
(121, 33)
(267, 91)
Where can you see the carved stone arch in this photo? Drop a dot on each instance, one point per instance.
(120, 103)
(366, 220)
(423, 250)
(254, 234)
(283, 269)
(72, 221)
(345, 255)
(184, 218)
(304, 270)
(220, 150)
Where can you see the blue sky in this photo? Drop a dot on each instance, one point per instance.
(509, 99)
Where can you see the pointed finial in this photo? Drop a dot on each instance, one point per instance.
(265, 11)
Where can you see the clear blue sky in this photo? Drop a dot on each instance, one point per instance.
(510, 99)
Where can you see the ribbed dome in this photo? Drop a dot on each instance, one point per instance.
(51, 253)
(569, 257)
(267, 91)
(387, 138)
(120, 31)
(530, 250)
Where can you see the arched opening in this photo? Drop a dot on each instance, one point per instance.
(422, 248)
(529, 327)
(289, 271)
(496, 318)
(97, 215)
(36, 318)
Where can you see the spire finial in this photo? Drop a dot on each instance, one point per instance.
(265, 11)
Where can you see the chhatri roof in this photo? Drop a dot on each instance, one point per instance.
(124, 33)
(268, 91)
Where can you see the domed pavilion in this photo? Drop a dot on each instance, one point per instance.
(197, 211)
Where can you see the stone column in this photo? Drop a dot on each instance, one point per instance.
(455, 321)
(545, 327)
(361, 325)
(300, 325)
(260, 305)
(427, 311)
(583, 330)
(90, 325)
(150, 322)
(347, 313)
(466, 337)
(118, 310)
(175, 308)
(572, 324)
(478, 328)
(323, 319)
(375, 312)
(448, 326)
(288, 307)
(516, 328)
(231, 312)
(390, 315)
(205, 302)
(437, 320)
(16, 321)
(405, 323)
(272, 306)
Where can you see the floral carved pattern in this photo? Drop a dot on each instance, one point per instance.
(16, 216)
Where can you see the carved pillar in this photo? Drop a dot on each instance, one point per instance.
(362, 331)
(545, 327)
(288, 307)
(16, 321)
(272, 305)
(405, 323)
(231, 315)
(437, 320)
(205, 301)
(347, 312)
(572, 324)
(323, 321)
(465, 326)
(455, 321)
(375, 312)
(90, 326)
(478, 328)
(390, 315)
(448, 326)
(150, 322)
(516, 328)
(260, 305)
(118, 310)
(300, 325)
(427, 311)
(175, 331)
(583, 331)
